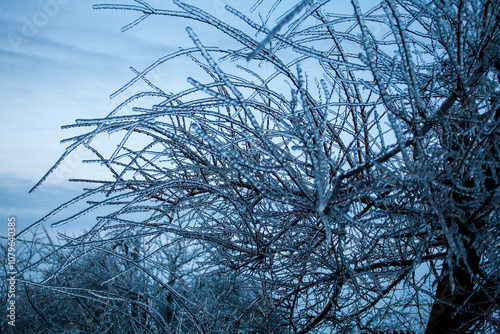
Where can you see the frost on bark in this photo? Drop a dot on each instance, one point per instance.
(337, 170)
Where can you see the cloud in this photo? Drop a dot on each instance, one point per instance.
(60, 60)
(64, 69)
(28, 208)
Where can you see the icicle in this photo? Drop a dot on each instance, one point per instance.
(135, 22)
(399, 138)
(62, 207)
(211, 92)
(255, 5)
(278, 27)
(68, 150)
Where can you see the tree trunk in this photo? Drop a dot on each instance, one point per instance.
(458, 307)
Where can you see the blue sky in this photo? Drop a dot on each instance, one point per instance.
(60, 60)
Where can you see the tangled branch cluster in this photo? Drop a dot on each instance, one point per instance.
(344, 179)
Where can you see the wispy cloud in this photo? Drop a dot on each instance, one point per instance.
(71, 58)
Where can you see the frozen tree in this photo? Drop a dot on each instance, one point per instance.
(336, 166)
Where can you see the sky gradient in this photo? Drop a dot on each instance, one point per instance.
(60, 60)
